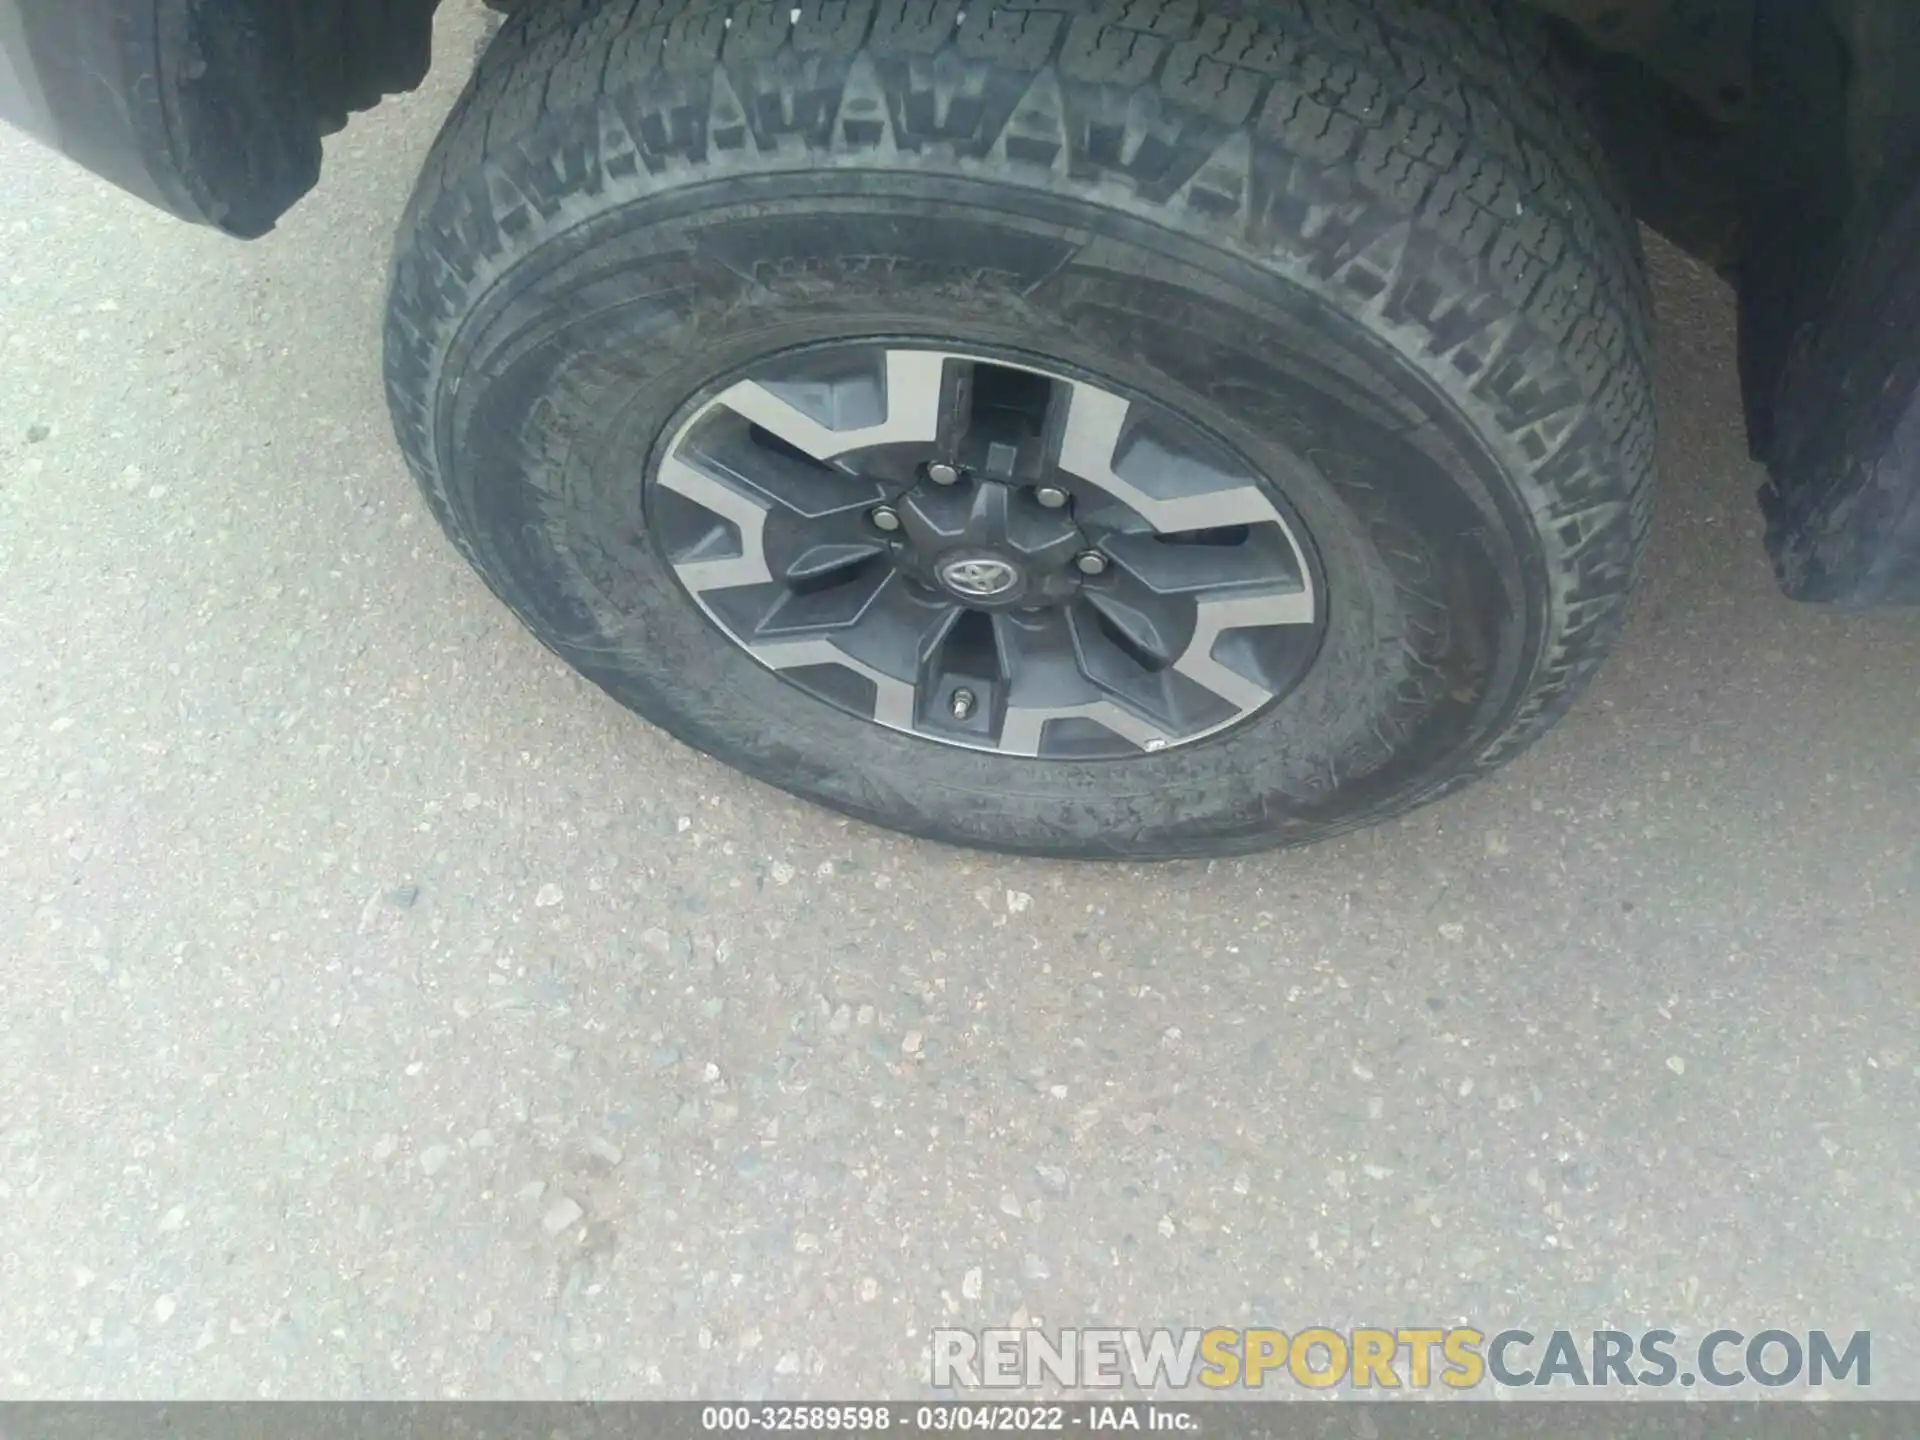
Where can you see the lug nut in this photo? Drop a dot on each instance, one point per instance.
(884, 517)
(960, 704)
(1051, 496)
(941, 473)
(1091, 562)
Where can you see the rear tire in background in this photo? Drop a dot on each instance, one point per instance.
(1093, 429)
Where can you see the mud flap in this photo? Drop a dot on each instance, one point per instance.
(1843, 506)
(211, 109)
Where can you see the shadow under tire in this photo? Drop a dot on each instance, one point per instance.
(1349, 274)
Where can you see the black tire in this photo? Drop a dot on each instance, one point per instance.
(1371, 232)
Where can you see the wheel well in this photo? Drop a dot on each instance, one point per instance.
(1703, 48)
(1670, 84)
(1771, 138)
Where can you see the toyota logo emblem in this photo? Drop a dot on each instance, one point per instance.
(979, 577)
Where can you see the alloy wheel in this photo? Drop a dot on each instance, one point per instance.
(986, 554)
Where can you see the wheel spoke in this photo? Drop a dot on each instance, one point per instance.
(1166, 566)
(795, 521)
(746, 512)
(886, 643)
(1024, 732)
(893, 704)
(1036, 653)
(1214, 617)
(898, 629)
(825, 418)
(1150, 626)
(806, 487)
(1049, 686)
(1046, 684)
(1176, 704)
(774, 611)
(1171, 491)
(963, 683)
(822, 561)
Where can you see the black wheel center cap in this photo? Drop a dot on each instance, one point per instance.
(988, 545)
(981, 575)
